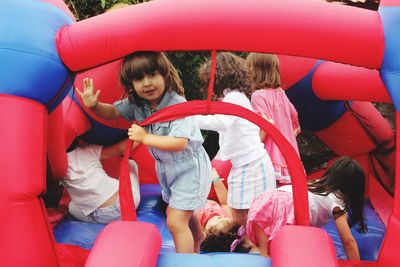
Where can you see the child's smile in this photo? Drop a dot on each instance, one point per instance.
(151, 87)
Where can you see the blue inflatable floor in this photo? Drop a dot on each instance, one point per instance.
(369, 243)
(152, 210)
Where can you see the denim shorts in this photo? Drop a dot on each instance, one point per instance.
(107, 214)
(185, 184)
(101, 215)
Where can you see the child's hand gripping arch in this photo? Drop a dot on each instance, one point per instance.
(168, 143)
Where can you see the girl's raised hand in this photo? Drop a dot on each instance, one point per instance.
(137, 133)
(89, 99)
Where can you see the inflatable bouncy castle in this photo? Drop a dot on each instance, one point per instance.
(335, 60)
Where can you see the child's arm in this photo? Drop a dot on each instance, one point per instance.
(214, 122)
(168, 143)
(116, 150)
(261, 238)
(262, 133)
(219, 187)
(348, 241)
(295, 119)
(91, 101)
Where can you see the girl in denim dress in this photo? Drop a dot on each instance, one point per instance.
(183, 166)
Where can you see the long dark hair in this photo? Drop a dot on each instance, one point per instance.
(230, 72)
(346, 179)
(136, 65)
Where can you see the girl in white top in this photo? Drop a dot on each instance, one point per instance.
(252, 172)
(339, 191)
(94, 194)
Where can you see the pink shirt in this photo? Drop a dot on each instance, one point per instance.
(211, 209)
(276, 106)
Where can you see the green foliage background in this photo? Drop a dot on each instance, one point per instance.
(187, 63)
(84, 9)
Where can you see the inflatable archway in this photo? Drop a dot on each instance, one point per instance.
(44, 48)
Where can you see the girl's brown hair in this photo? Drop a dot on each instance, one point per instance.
(264, 71)
(136, 65)
(230, 73)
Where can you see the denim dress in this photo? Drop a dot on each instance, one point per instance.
(184, 176)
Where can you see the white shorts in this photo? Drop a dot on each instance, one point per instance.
(248, 181)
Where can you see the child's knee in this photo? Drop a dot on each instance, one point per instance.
(175, 225)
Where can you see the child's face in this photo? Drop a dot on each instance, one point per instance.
(151, 88)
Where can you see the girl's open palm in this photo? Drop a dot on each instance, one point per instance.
(89, 99)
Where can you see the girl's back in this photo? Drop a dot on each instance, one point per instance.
(276, 106)
(239, 137)
(270, 101)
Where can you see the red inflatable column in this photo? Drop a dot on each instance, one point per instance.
(26, 238)
(388, 255)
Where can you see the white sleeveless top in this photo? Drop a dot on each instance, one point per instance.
(321, 207)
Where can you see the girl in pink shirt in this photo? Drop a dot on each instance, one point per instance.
(338, 195)
(270, 101)
(215, 222)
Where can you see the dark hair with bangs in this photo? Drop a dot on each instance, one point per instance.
(346, 179)
(264, 71)
(136, 65)
(230, 73)
(220, 241)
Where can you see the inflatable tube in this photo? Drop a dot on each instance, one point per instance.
(391, 65)
(138, 245)
(388, 255)
(31, 53)
(334, 81)
(56, 143)
(75, 121)
(198, 25)
(24, 227)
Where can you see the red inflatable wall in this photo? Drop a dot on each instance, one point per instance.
(26, 238)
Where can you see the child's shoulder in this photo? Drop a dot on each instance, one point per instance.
(173, 98)
(270, 94)
(234, 94)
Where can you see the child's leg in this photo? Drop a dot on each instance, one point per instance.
(178, 225)
(240, 216)
(197, 231)
(262, 240)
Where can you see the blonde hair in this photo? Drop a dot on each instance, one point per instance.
(136, 65)
(264, 71)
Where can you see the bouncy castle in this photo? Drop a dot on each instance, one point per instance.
(335, 60)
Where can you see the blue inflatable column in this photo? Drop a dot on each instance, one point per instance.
(390, 73)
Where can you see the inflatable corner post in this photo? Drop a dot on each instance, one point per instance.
(334, 63)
